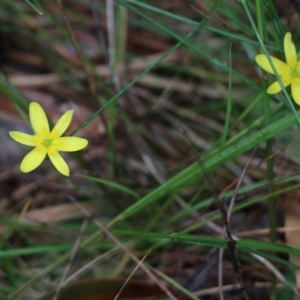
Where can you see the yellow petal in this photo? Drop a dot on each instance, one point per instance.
(63, 123)
(70, 144)
(296, 90)
(281, 67)
(32, 160)
(276, 88)
(289, 47)
(22, 138)
(59, 163)
(38, 119)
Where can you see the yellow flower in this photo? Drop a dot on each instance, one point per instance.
(288, 72)
(46, 142)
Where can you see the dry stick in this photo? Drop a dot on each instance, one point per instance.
(259, 258)
(230, 242)
(111, 32)
(229, 239)
(233, 198)
(230, 245)
(206, 178)
(127, 280)
(72, 256)
(123, 247)
(221, 252)
(115, 55)
(267, 263)
(110, 24)
(233, 256)
(226, 228)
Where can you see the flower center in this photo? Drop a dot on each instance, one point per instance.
(294, 67)
(46, 140)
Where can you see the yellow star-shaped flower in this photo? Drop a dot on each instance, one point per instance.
(289, 72)
(46, 142)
